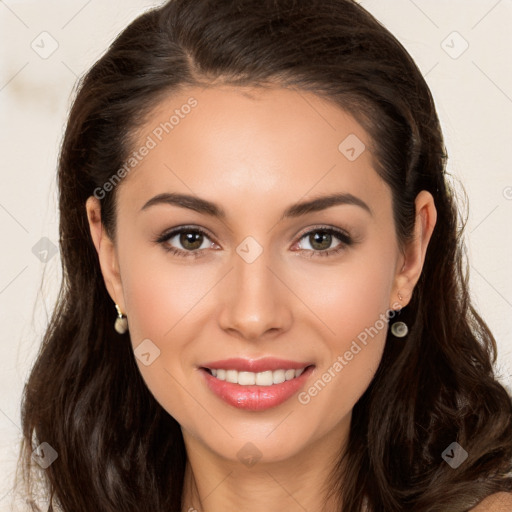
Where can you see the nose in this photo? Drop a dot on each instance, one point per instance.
(255, 299)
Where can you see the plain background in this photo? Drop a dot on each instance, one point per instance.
(462, 47)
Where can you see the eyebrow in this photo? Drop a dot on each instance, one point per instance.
(296, 210)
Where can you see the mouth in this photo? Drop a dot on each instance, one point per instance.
(270, 383)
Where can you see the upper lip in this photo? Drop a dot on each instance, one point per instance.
(256, 365)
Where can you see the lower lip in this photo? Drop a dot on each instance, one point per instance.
(255, 398)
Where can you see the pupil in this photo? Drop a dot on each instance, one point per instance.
(323, 237)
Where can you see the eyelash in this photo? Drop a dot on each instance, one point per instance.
(342, 236)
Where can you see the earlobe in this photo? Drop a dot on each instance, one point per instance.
(415, 251)
(106, 252)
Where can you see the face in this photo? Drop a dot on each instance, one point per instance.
(225, 249)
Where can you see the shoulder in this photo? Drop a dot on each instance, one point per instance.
(499, 502)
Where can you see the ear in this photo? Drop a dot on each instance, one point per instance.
(410, 264)
(106, 252)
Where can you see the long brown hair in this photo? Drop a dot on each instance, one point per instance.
(118, 449)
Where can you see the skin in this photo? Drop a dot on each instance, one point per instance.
(254, 153)
(498, 502)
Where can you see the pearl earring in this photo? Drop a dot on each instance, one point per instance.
(121, 323)
(399, 329)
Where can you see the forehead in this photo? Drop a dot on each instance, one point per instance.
(239, 143)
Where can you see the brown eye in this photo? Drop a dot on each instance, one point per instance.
(185, 241)
(191, 240)
(321, 240)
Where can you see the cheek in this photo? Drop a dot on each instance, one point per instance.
(351, 302)
(160, 301)
(352, 296)
(159, 294)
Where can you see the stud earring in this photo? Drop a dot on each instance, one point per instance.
(121, 323)
(399, 329)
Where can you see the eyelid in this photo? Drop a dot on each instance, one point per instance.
(172, 232)
(324, 227)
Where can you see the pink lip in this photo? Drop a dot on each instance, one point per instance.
(255, 365)
(255, 398)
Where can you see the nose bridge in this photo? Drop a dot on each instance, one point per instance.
(253, 303)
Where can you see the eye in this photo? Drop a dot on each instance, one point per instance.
(193, 241)
(321, 239)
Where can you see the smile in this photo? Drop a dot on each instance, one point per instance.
(266, 378)
(255, 384)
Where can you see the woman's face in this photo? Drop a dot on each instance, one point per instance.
(264, 268)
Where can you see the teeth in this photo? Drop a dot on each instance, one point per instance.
(267, 378)
(232, 376)
(289, 374)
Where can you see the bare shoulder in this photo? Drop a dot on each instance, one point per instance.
(499, 502)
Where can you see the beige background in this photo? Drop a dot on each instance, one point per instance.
(473, 92)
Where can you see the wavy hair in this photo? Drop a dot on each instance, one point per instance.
(118, 449)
